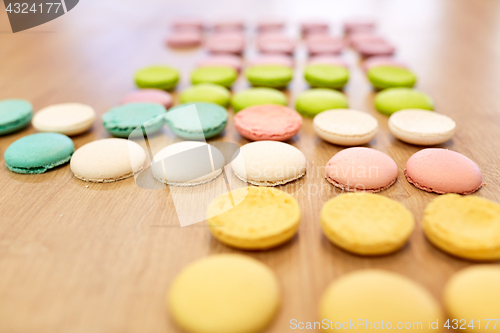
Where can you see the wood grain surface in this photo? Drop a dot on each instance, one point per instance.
(84, 257)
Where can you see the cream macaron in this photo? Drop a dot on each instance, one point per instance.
(107, 160)
(269, 163)
(345, 127)
(67, 118)
(421, 127)
(187, 163)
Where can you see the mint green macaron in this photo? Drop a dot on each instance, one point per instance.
(326, 76)
(313, 101)
(15, 114)
(38, 153)
(383, 77)
(273, 76)
(391, 100)
(158, 77)
(127, 120)
(206, 92)
(257, 96)
(185, 120)
(223, 76)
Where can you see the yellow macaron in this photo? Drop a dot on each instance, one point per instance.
(227, 293)
(366, 223)
(254, 218)
(464, 226)
(472, 297)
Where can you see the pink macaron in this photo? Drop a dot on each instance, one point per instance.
(314, 27)
(270, 25)
(357, 24)
(324, 44)
(184, 38)
(149, 96)
(275, 43)
(268, 122)
(273, 59)
(225, 60)
(443, 171)
(327, 60)
(382, 61)
(361, 169)
(187, 24)
(229, 25)
(369, 49)
(360, 38)
(229, 42)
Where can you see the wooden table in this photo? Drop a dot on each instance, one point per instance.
(84, 257)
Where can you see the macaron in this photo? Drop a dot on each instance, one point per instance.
(273, 59)
(314, 26)
(270, 24)
(107, 160)
(391, 100)
(226, 60)
(128, 119)
(268, 122)
(358, 24)
(421, 127)
(253, 218)
(158, 77)
(232, 43)
(197, 121)
(257, 96)
(366, 223)
(149, 96)
(273, 76)
(224, 293)
(364, 37)
(184, 39)
(275, 43)
(313, 101)
(221, 75)
(472, 294)
(375, 49)
(382, 61)
(187, 23)
(326, 76)
(361, 169)
(38, 153)
(187, 163)
(464, 226)
(443, 171)
(383, 77)
(374, 298)
(15, 114)
(68, 118)
(327, 60)
(324, 44)
(269, 163)
(206, 92)
(229, 25)
(345, 127)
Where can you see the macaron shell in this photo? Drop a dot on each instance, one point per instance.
(360, 168)
(328, 76)
(391, 100)
(67, 118)
(327, 60)
(149, 96)
(227, 60)
(182, 39)
(345, 127)
(158, 77)
(313, 101)
(206, 92)
(15, 114)
(383, 77)
(257, 96)
(107, 160)
(269, 163)
(273, 76)
(268, 122)
(221, 75)
(443, 171)
(273, 59)
(126, 120)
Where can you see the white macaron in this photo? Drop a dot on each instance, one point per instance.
(187, 163)
(269, 163)
(421, 127)
(345, 127)
(107, 160)
(67, 118)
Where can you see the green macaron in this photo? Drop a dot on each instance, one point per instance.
(257, 96)
(223, 76)
(326, 76)
(128, 119)
(206, 92)
(158, 77)
(15, 114)
(37, 153)
(197, 121)
(313, 101)
(273, 76)
(383, 77)
(391, 100)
